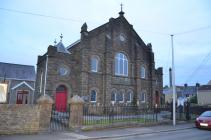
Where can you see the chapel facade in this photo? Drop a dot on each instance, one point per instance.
(108, 65)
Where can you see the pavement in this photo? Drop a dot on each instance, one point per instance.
(102, 134)
(124, 132)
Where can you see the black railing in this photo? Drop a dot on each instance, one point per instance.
(60, 117)
(107, 115)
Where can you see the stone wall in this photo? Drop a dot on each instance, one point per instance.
(26, 118)
(19, 119)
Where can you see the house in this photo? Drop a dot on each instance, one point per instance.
(16, 83)
(108, 65)
(182, 92)
(204, 94)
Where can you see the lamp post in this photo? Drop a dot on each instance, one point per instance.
(173, 83)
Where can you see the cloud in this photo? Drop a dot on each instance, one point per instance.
(22, 35)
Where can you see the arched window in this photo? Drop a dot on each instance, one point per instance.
(143, 97)
(129, 96)
(94, 64)
(120, 96)
(121, 65)
(93, 96)
(143, 72)
(113, 95)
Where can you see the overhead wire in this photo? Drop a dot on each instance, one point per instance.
(203, 62)
(154, 32)
(37, 14)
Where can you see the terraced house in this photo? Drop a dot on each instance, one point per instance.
(108, 65)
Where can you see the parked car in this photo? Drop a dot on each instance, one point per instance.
(204, 120)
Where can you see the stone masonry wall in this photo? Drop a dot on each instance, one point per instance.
(16, 119)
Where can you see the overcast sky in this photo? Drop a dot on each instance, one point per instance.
(25, 36)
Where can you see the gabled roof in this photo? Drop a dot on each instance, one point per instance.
(17, 71)
(120, 19)
(25, 83)
(73, 44)
(61, 48)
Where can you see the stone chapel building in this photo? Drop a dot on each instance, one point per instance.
(108, 65)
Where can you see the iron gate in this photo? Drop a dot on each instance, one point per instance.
(60, 118)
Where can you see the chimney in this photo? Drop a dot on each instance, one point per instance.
(170, 77)
(197, 85)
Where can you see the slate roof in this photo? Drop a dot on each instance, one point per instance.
(205, 87)
(181, 90)
(17, 71)
(61, 48)
(73, 44)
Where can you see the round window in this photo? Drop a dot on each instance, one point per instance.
(63, 71)
(121, 37)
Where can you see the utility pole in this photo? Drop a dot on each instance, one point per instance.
(173, 82)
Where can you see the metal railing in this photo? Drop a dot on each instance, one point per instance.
(108, 115)
(60, 117)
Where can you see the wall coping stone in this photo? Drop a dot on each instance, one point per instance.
(76, 99)
(45, 99)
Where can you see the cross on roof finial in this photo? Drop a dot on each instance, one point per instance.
(121, 13)
(61, 36)
(121, 6)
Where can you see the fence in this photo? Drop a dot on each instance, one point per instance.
(107, 115)
(60, 117)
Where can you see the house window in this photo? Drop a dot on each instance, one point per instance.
(113, 95)
(143, 97)
(94, 64)
(128, 96)
(120, 96)
(93, 96)
(22, 97)
(143, 72)
(121, 65)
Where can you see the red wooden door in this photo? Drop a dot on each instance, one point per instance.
(61, 101)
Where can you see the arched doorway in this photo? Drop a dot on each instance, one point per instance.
(61, 98)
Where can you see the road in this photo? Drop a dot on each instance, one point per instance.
(187, 134)
(182, 134)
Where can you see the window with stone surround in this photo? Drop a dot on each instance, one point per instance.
(41, 79)
(113, 95)
(121, 65)
(93, 96)
(143, 72)
(129, 96)
(94, 64)
(120, 96)
(143, 97)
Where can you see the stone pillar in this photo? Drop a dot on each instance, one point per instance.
(45, 107)
(76, 112)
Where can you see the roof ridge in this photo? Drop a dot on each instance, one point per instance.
(17, 64)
